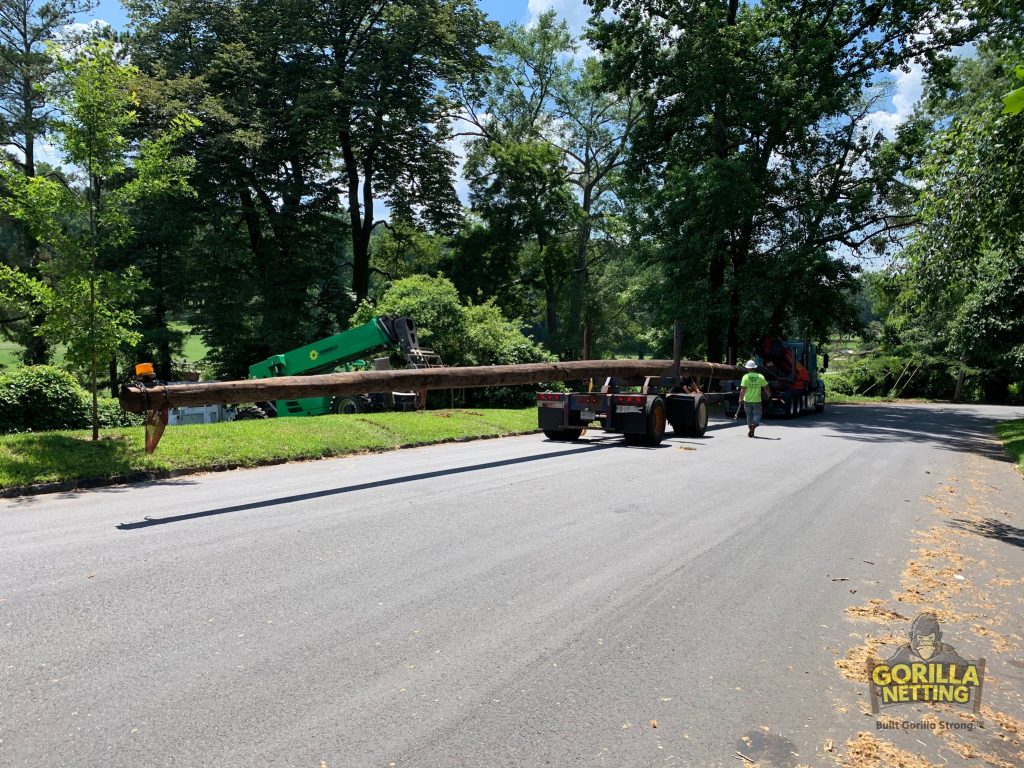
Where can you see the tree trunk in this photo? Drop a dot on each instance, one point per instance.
(138, 399)
(578, 305)
(360, 216)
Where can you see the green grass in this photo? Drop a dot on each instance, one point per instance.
(1012, 435)
(9, 352)
(193, 350)
(48, 457)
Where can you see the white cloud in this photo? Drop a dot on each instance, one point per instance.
(907, 90)
(572, 11)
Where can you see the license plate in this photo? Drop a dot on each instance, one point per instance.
(587, 415)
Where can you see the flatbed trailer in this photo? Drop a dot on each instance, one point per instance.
(641, 417)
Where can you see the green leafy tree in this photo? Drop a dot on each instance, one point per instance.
(959, 286)
(751, 169)
(78, 221)
(26, 70)
(548, 140)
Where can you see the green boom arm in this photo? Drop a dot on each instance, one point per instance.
(329, 353)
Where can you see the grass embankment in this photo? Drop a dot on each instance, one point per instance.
(1012, 435)
(54, 457)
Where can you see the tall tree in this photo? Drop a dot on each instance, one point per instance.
(308, 108)
(538, 93)
(26, 72)
(752, 121)
(78, 221)
(961, 279)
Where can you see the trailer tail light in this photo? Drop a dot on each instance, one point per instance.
(550, 397)
(630, 400)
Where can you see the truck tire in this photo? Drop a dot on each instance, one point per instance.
(819, 407)
(346, 405)
(655, 431)
(563, 435)
(251, 413)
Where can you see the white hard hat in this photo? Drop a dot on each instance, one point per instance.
(750, 364)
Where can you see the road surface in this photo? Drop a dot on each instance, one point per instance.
(515, 602)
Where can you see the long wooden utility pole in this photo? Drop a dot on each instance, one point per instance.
(138, 398)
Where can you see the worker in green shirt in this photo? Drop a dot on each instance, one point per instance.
(750, 396)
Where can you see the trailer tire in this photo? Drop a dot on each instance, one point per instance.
(655, 432)
(563, 435)
(700, 418)
(819, 407)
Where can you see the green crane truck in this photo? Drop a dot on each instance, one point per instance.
(345, 351)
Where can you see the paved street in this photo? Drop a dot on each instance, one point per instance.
(513, 602)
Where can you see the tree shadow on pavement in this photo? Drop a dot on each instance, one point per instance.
(955, 428)
(993, 529)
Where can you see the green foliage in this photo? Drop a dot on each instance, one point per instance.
(40, 398)
(1013, 102)
(754, 175)
(839, 384)
(113, 415)
(461, 335)
(86, 306)
(958, 290)
(433, 303)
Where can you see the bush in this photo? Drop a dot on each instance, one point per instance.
(838, 384)
(112, 415)
(40, 398)
(462, 335)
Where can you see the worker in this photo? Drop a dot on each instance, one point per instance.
(750, 396)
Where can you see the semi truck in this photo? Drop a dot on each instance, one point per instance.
(641, 410)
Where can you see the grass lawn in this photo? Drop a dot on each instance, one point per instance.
(48, 457)
(193, 349)
(9, 352)
(1012, 435)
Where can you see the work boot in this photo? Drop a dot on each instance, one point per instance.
(750, 431)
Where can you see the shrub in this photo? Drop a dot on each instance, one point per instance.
(838, 384)
(39, 398)
(112, 415)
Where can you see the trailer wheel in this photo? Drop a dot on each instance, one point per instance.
(655, 432)
(563, 435)
(700, 418)
(819, 407)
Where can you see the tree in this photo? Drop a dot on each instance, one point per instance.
(26, 70)
(960, 282)
(549, 140)
(753, 120)
(77, 222)
(306, 107)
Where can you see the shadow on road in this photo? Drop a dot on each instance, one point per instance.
(993, 529)
(147, 522)
(950, 427)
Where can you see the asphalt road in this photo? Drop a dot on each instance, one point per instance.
(513, 602)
